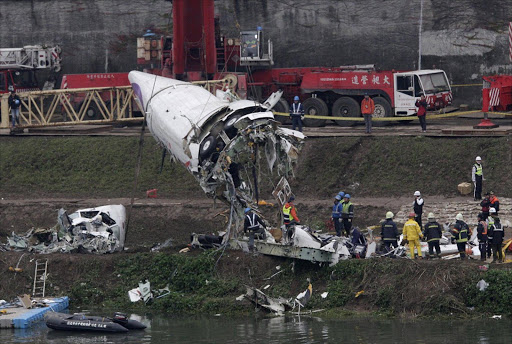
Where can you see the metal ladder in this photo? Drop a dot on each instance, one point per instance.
(40, 278)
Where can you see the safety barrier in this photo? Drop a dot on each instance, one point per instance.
(100, 105)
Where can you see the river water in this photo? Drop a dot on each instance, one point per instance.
(162, 329)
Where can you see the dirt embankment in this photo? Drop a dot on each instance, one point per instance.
(40, 175)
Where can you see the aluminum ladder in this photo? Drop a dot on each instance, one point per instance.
(40, 278)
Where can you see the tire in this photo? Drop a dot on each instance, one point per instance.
(346, 107)
(207, 147)
(91, 113)
(229, 126)
(282, 106)
(382, 109)
(315, 107)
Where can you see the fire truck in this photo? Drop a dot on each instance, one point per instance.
(197, 51)
(19, 67)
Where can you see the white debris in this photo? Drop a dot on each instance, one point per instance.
(482, 285)
(324, 294)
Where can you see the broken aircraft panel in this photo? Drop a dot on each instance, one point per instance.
(94, 230)
(221, 143)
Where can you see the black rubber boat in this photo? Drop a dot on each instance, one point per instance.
(80, 322)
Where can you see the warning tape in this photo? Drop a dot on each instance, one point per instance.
(501, 113)
(466, 85)
(384, 119)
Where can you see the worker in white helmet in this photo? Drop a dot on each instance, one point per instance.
(418, 207)
(477, 176)
(389, 233)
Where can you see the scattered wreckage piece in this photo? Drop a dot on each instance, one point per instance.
(144, 292)
(276, 305)
(92, 230)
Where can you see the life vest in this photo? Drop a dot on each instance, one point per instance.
(346, 207)
(296, 109)
(478, 169)
(287, 210)
(253, 224)
(484, 224)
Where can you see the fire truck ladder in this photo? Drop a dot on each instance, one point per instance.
(40, 275)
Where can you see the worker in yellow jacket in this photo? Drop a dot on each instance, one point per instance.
(412, 234)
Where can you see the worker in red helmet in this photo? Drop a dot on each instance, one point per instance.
(412, 234)
(367, 109)
(297, 113)
(422, 106)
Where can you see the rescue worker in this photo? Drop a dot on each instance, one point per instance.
(433, 233)
(462, 233)
(14, 102)
(495, 202)
(367, 109)
(296, 113)
(254, 225)
(497, 240)
(412, 234)
(358, 239)
(336, 214)
(490, 224)
(389, 233)
(347, 214)
(422, 106)
(290, 213)
(485, 204)
(418, 207)
(482, 236)
(477, 176)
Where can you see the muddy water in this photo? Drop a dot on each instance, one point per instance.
(162, 329)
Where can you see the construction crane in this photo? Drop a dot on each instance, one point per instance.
(18, 67)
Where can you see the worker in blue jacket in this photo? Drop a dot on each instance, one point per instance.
(336, 215)
(296, 113)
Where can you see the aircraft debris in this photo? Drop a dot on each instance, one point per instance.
(260, 299)
(92, 230)
(482, 285)
(324, 294)
(497, 317)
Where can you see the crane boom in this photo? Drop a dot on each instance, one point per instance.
(31, 57)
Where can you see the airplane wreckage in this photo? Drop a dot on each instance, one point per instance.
(92, 230)
(223, 142)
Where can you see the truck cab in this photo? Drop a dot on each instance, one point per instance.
(409, 86)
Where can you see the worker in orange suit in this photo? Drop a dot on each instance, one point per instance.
(412, 234)
(290, 213)
(367, 109)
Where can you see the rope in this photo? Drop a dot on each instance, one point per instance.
(386, 119)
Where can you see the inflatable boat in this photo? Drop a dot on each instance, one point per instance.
(81, 322)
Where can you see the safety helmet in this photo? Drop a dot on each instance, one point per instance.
(411, 215)
(338, 197)
(491, 192)
(459, 217)
(492, 210)
(342, 194)
(431, 216)
(246, 210)
(417, 193)
(291, 199)
(347, 196)
(478, 158)
(296, 98)
(389, 215)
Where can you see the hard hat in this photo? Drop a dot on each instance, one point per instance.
(246, 210)
(492, 210)
(491, 192)
(412, 215)
(431, 216)
(459, 217)
(389, 215)
(338, 197)
(291, 199)
(341, 193)
(296, 98)
(478, 158)
(16, 101)
(347, 196)
(417, 193)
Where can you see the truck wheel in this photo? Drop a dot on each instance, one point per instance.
(346, 107)
(282, 106)
(91, 113)
(315, 107)
(207, 147)
(382, 109)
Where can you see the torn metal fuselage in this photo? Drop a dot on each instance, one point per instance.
(221, 143)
